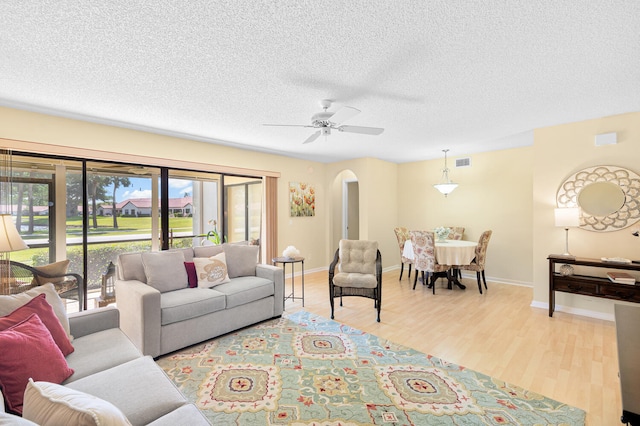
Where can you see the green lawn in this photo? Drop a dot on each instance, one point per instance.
(126, 225)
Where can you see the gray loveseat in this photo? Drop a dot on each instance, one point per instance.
(108, 366)
(160, 312)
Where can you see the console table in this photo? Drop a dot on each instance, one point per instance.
(590, 285)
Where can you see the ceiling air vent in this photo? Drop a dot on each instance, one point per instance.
(463, 162)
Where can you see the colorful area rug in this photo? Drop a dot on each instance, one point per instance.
(306, 370)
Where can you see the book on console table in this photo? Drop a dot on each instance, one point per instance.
(621, 278)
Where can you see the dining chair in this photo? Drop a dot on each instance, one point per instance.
(425, 259)
(477, 264)
(356, 270)
(457, 232)
(402, 234)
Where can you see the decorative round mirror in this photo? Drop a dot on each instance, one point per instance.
(608, 197)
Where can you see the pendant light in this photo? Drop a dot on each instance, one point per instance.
(445, 186)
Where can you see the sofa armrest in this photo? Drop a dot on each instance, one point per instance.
(139, 306)
(276, 275)
(84, 323)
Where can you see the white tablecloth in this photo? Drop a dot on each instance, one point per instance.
(450, 252)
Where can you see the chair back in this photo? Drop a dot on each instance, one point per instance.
(357, 256)
(457, 232)
(481, 249)
(423, 250)
(402, 234)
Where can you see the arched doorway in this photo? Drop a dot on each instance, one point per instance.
(346, 211)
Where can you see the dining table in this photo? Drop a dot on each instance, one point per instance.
(448, 252)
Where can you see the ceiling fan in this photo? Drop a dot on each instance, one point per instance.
(325, 121)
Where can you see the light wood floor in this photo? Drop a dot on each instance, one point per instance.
(569, 358)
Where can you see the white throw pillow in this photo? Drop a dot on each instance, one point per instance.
(211, 271)
(12, 302)
(51, 404)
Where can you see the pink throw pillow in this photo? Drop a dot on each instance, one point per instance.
(39, 305)
(191, 274)
(28, 351)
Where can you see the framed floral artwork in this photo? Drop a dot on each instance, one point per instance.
(302, 199)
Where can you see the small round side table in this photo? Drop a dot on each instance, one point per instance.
(291, 261)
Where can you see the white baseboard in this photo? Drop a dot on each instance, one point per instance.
(574, 311)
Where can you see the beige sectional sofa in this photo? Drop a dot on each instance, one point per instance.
(160, 313)
(105, 365)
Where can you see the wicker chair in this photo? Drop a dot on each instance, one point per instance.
(477, 264)
(425, 259)
(359, 272)
(402, 234)
(24, 277)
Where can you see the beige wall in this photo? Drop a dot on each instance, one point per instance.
(493, 193)
(560, 151)
(510, 191)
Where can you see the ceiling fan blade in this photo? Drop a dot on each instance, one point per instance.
(361, 129)
(313, 137)
(343, 114)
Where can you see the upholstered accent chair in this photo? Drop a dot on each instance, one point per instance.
(402, 234)
(356, 270)
(477, 264)
(425, 259)
(457, 232)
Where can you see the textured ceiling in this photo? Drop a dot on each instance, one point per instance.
(470, 76)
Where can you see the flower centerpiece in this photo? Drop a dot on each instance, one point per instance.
(441, 233)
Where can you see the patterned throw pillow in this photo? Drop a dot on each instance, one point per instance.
(211, 271)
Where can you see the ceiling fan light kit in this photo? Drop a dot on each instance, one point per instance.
(445, 186)
(326, 120)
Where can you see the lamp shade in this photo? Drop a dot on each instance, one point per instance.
(445, 188)
(567, 217)
(10, 239)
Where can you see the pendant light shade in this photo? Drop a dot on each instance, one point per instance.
(445, 186)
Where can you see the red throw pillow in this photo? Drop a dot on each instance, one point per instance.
(28, 351)
(191, 274)
(39, 305)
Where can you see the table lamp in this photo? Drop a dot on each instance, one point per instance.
(10, 240)
(567, 218)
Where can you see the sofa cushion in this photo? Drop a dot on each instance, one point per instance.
(186, 251)
(241, 260)
(50, 404)
(165, 270)
(149, 393)
(243, 290)
(211, 271)
(28, 351)
(180, 305)
(12, 302)
(100, 351)
(39, 306)
(207, 251)
(186, 415)
(130, 267)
